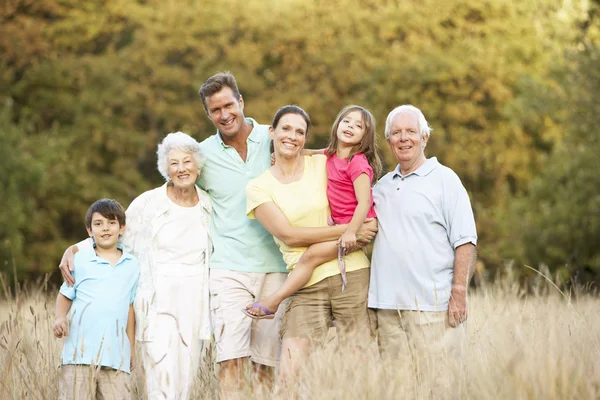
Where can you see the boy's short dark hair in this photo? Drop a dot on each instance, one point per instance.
(108, 208)
(215, 84)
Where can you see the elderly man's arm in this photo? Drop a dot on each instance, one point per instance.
(465, 257)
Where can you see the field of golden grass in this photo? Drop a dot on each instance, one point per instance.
(534, 344)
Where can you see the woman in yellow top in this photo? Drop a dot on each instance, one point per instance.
(290, 201)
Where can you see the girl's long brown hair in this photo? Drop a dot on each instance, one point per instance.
(368, 144)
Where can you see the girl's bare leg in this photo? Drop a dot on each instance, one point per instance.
(314, 256)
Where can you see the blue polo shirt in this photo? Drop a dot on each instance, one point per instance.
(98, 316)
(423, 217)
(240, 243)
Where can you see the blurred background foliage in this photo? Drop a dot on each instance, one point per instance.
(88, 88)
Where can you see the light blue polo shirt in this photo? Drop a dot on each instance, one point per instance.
(98, 316)
(423, 217)
(240, 243)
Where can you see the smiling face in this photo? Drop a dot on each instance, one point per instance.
(105, 231)
(351, 129)
(226, 112)
(182, 169)
(406, 142)
(289, 135)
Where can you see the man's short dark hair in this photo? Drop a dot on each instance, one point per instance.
(215, 84)
(108, 208)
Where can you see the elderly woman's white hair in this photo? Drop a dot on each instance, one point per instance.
(177, 141)
(424, 128)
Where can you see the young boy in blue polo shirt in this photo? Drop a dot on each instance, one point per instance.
(95, 316)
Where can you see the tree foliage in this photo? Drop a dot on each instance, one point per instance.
(89, 87)
(559, 216)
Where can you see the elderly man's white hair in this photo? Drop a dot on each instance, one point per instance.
(424, 128)
(177, 141)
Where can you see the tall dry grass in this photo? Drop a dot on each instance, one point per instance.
(534, 344)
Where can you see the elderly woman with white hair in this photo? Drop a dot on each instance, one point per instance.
(167, 229)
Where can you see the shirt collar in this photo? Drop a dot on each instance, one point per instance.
(253, 137)
(204, 199)
(429, 165)
(89, 254)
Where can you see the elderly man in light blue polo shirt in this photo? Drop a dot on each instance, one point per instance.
(424, 253)
(246, 265)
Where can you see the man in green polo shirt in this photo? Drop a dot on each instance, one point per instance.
(246, 265)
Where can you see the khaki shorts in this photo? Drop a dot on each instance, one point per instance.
(400, 332)
(239, 336)
(311, 310)
(426, 341)
(82, 382)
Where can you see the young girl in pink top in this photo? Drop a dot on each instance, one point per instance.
(353, 164)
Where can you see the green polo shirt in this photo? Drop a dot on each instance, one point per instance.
(240, 243)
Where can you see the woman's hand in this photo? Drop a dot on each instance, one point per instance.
(367, 231)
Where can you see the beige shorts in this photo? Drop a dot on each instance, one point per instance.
(239, 336)
(403, 331)
(82, 382)
(426, 341)
(311, 310)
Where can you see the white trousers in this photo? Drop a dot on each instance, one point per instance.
(172, 359)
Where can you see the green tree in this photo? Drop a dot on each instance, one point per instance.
(96, 84)
(21, 174)
(559, 218)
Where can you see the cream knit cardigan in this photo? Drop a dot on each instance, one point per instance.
(145, 216)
